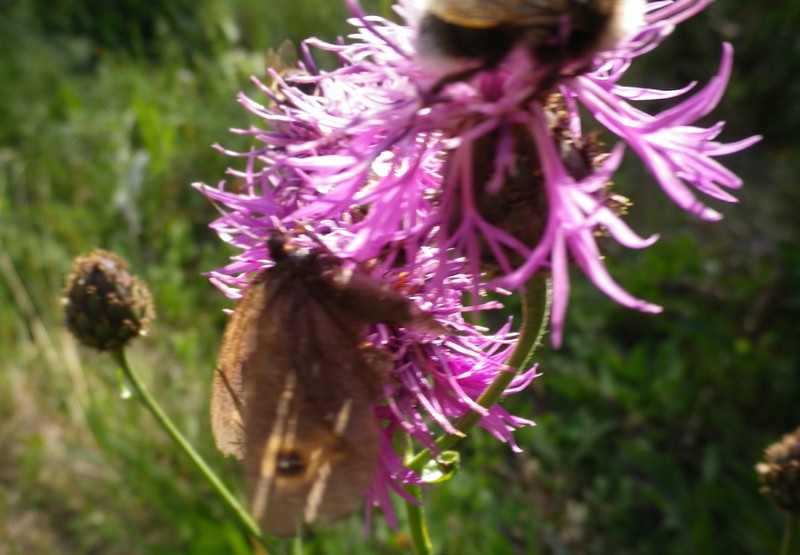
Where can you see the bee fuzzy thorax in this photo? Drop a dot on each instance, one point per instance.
(465, 36)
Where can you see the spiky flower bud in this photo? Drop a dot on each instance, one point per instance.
(106, 306)
(779, 472)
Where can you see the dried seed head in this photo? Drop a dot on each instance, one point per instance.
(106, 306)
(779, 472)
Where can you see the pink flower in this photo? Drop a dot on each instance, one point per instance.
(463, 186)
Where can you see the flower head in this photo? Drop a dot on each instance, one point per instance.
(371, 143)
(465, 181)
(106, 306)
(779, 472)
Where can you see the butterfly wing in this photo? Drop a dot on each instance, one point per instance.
(296, 386)
(311, 434)
(227, 392)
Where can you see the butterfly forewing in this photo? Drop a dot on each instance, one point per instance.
(227, 392)
(296, 386)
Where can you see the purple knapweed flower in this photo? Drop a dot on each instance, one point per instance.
(372, 135)
(462, 185)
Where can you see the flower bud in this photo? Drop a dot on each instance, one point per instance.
(106, 306)
(779, 472)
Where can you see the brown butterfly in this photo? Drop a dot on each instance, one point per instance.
(296, 385)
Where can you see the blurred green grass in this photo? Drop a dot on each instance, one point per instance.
(648, 427)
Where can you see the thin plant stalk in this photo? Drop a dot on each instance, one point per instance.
(791, 535)
(164, 421)
(420, 538)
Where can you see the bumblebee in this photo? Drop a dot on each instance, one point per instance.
(473, 35)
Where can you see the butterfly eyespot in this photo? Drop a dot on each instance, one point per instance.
(290, 463)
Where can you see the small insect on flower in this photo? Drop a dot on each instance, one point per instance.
(296, 385)
(465, 36)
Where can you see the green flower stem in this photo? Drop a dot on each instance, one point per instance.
(242, 514)
(416, 523)
(535, 312)
(420, 537)
(791, 535)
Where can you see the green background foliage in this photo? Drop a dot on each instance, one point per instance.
(648, 426)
